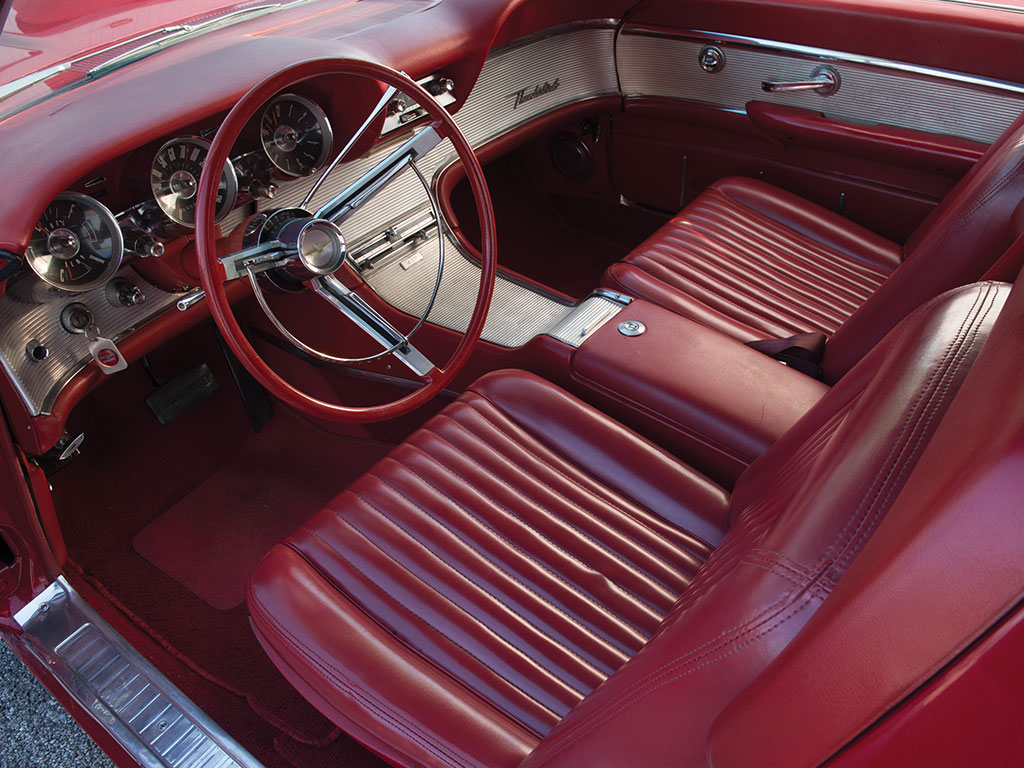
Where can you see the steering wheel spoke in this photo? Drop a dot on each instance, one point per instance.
(257, 259)
(372, 323)
(373, 181)
(311, 248)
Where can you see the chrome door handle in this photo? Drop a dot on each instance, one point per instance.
(824, 80)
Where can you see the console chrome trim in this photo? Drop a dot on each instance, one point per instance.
(587, 317)
(140, 708)
(658, 62)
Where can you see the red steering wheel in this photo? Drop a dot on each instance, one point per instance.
(312, 248)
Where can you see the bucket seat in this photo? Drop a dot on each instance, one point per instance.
(524, 581)
(758, 263)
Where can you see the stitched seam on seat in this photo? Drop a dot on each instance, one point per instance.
(658, 679)
(628, 625)
(591, 664)
(508, 511)
(801, 573)
(433, 628)
(656, 582)
(335, 677)
(812, 588)
(891, 463)
(614, 503)
(782, 558)
(931, 409)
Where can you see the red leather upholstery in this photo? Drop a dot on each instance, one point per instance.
(755, 262)
(522, 579)
(510, 561)
(714, 402)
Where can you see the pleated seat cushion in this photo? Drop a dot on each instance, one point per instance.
(756, 262)
(504, 560)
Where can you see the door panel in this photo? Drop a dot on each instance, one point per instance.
(883, 147)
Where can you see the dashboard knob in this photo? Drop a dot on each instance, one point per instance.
(146, 246)
(397, 106)
(439, 86)
(259, 189)
(36, 351)
(121, 292)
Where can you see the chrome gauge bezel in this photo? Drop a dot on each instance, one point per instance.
(323, 124)
(229, 178)
(40, 262)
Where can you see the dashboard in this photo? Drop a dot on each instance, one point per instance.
(101, 244)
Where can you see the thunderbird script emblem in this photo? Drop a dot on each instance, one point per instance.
(528, 94)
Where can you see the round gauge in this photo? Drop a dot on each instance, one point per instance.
(175, 180)
(295, 134)
(76, 244)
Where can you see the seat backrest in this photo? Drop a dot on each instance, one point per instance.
(955, 245)
(801, 514)
(937, 580)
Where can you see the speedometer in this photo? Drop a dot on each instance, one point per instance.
(76, 245)
(296, 135)
(175, 180)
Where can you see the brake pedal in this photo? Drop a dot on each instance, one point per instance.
(181, 394)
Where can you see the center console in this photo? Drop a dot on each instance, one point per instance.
(711, 400)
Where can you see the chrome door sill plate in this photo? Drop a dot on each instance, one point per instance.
(153, 720)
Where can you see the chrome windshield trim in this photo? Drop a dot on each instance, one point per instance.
(987, 6)
(824, 54)
(167, 36)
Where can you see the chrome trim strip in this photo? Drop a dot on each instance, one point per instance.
(656, 63)
(587, 317)
(825, 54)
(141, 709)
(988, 6)
(556, 31)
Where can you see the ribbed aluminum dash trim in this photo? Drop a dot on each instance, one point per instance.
(580, 324)
(667, 66)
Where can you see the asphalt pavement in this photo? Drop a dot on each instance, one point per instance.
(35, 731)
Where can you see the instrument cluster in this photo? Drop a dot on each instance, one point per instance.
(79, 243)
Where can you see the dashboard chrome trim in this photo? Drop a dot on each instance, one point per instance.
(32, 309)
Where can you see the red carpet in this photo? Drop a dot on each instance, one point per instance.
(212, 539)
(132, 471)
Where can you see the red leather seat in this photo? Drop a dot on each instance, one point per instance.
(755, 262)
(526, 582)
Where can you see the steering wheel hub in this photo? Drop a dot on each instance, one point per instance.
(318, 243)
(298, 250)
